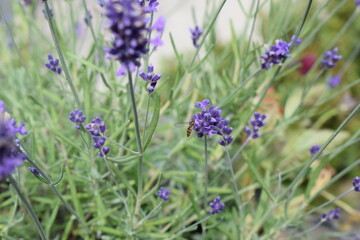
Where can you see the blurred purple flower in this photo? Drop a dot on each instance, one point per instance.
(216, 205)
(164, 193)
(332, 214)
(10, 157)
(77, 117)
(277, 53)
(53, 65)
(356, 184)
(256, 122)
(334, 81)
(195, 35)
(330, 58)
(314, 149)
(128, 23)
(51, 13)
(34, 171)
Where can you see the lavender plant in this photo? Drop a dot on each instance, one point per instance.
(257, 114)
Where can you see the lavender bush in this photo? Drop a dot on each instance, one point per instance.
(271, 113)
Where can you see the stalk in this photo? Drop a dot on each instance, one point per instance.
(61, 56)
(28, 208)
(206, 173)
(138, 142)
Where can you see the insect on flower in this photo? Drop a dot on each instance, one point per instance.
(190, 123)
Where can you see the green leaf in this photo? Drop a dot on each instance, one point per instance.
(60, 178)
(154, 120)
(123, 159)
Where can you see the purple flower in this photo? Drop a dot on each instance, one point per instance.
(10, 157)
(88, 18)
(277, 53)
(164, 193)
(2, 107)
(332, 214)
(53, 65)
(356, 184)
(151, 7)
(150, 77)
(96, 127)
(330, 58)
(334, 81)
(256, 122)
(51, 13)
(357, 3)
(195, 35)
(159, 27)
(216, 205)
(128, 23)
(314, 149)
(209, 122)
(77, 117)
(34, 171)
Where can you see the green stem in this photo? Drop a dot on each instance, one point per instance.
(240, 149)
(50, 183)
(310, 229)
(328, 202)
(150, 213)
(138, 142)
(207, 32)
(61, 56)
(206, 174)
(146, 117)
(28, 208)
(233, 181)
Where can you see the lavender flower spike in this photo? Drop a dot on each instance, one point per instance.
(334, 81)
(150, 77)
(10, 157)
(195, 35)
(332, 214)
(34, 171)
(164, 193)
(314, 149)
(277, 53)
(97, 128)
(128, 23)
(77, 117)
(256, 122)
(330, 58)
(209, 122)
(53, 65)
(216, 205)
(356, 184)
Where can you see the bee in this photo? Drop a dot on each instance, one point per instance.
(190, 127)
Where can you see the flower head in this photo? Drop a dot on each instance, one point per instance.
(150, 7)
(53, 64)
(77, 117)
(88, 18)
(330, 58)
(33, 170)
(150, 77)
(209, 122)
(357, 3)
(277, 53)
(256, 123)
(356, 184)
(306, 63)
(10, 157)
(195, 35)
(97, 128)
(334, 81)
(159, 27)
(45, 14)
(314, 149)
(216, 205)
(164, 193)
(128, 23)
(331, 215)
